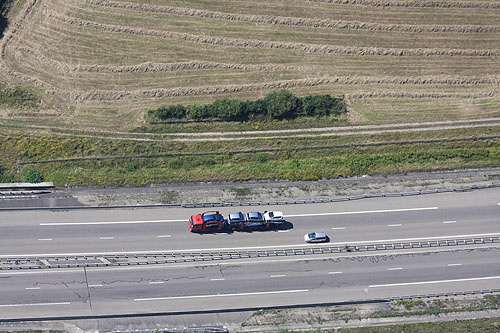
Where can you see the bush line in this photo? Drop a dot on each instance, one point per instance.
(281, 104)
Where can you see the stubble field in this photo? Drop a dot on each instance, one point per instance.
(98, 65)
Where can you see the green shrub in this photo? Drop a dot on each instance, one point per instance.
(281, 104)
(33, 176)
(321, 105)
(171, 112)
(200, 111)
(229, 109)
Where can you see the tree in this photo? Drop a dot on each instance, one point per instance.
(318, 105)
(229, 109)
(171, 112)
(281, 104)
(200, 111)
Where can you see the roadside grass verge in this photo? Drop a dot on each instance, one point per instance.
(403, 309)
(292, 159)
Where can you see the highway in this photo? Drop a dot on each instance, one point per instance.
(247, 282)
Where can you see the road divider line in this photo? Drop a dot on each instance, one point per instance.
(157, 282)
(277, 276)
(95, 285)
(33, 304)
(283, 230)
(395, 269)
(44, 239)
(109, 222)
(433, 282)
(450, 265)
(164, 236)
(366, 212)
(449, 222)
(258, 293)
(184, 220)
(32, 288)
(338, 228)
(394, 225)
(105, 238)
(219, 279)
(334, 273)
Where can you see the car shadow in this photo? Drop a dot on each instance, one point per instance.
(274, 227)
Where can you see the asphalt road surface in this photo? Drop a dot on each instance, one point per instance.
(248, 282)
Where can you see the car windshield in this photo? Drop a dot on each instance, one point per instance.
(312, 235)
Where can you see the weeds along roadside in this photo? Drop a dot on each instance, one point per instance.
(291, 159)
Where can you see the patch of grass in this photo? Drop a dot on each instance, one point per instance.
(241, 191)
(18, 97)
(474, 325)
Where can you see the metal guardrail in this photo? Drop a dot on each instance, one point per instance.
(250, 203)
(19, 263)
(26, 186)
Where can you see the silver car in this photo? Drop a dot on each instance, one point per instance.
(315, 237)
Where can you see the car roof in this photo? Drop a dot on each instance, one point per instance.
(320, 234)
(254, 214)
(212, 217)
(234, 216)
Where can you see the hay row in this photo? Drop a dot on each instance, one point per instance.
(383, 94)
(152, 67)
(291, 46)
(8, 37)
(229, 89)
(417, 4)
(293, 21)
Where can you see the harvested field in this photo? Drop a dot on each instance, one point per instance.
(100, 64)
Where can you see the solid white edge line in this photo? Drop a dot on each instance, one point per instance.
(110, 222)
(432, 282)
(263, 247)
(224, 295)
(365, 212)
(33, 304)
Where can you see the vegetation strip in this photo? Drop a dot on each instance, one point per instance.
(251, 151)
